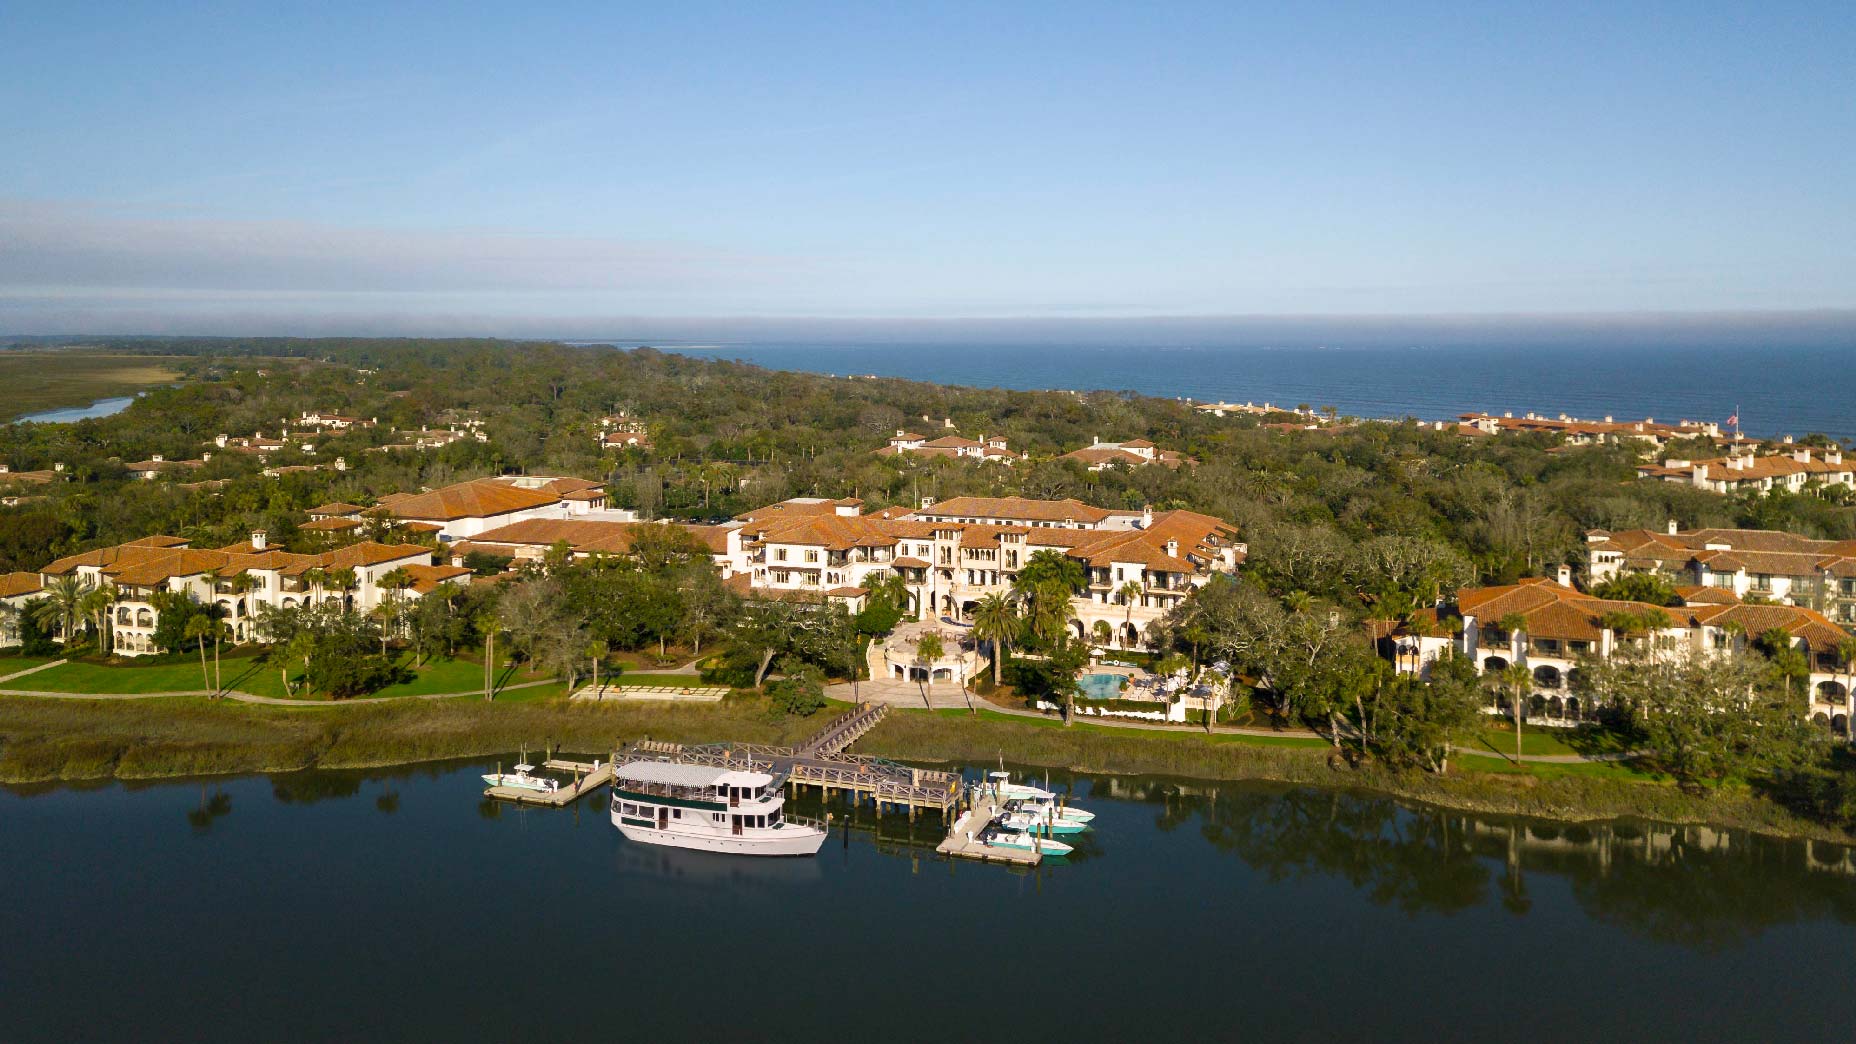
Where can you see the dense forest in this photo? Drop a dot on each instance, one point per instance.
(728, 437)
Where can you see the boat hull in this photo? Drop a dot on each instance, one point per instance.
(789, 840)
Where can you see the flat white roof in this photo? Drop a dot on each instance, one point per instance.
(676, 775)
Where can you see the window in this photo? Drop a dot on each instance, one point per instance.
(676, 813)
(811, 556)
(779, 554)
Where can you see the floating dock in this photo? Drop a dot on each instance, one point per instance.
(587, 777)
(963, 840)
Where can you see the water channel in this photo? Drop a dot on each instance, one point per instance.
(399, 905)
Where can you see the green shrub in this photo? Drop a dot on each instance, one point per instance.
(799, 694)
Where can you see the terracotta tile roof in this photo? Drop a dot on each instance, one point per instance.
(335, 510)
(12, 585)
(330, 525)
(427, 578)
(905, 562)
(368, 553)
(1014, 508)
(482, 498)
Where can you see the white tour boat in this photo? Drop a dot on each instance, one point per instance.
(523, 778)
(708, 808)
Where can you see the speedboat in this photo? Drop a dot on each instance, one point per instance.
(523, 778)
(1046, 810)
(1002, 785)
(1026, 843)
(1025, 822)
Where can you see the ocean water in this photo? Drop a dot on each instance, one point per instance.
(1776, 390)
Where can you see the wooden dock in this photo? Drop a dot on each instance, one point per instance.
(587, 777)
(975, 822)
(821, 762)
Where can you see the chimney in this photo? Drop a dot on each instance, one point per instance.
(220, 440)
(1564, 575)
(259, 539)
(1802, 456)
(1608, 418)
(156, 458)
(1833, 456)
(206, 458)
(1788, 440)
(341, 463)
(1508, 414)
(1147, 516)
(1172, 549)
(1673, 528)
(58, 468)
(927, 502)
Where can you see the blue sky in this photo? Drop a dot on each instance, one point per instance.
(497, 166)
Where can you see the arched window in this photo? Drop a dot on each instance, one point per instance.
(1547, 676)
(1494, 665)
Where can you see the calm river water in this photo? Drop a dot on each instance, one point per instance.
(399, 906)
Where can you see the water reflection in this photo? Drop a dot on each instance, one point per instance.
(1691, 885)
(210, 809)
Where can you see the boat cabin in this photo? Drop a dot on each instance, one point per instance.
(666, 795)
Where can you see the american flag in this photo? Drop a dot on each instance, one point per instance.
(1734, 420)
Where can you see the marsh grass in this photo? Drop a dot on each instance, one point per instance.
(45, 740)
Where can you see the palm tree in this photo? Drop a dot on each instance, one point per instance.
(487, 624)
(1519, 679)
(596, 652)
(9, 619)
(995, 620)
(1130, 594)
(63, 606)
(1103, 632)
(315, 579)
(1420, 627)
(96, 604)
(343, 581)
(199, 626)
(242, 585)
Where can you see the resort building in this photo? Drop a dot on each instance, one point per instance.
(1573, 431)
(1555, 627)
(16, 589)
(157, 466)
(1794, 471)
(953, 553)
(992, 449)
(242, 579)
(1251, 409)
(465, 509)
(9, 477)
(531, 540)
(623, 431)
(1135, 453)
(329, 420)
(1751, 564)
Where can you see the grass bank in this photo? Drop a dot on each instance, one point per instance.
(1581, 792)
(44, 740)
(51, 740)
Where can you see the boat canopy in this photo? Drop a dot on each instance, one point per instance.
(671, 773)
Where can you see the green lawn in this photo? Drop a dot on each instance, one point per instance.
(15, 664)
(255, 676)
(1500, 739)
(247, 674)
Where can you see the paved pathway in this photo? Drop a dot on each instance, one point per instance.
(30, 670)
(910, 696)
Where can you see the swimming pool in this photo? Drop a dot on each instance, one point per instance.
(1100, 686)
